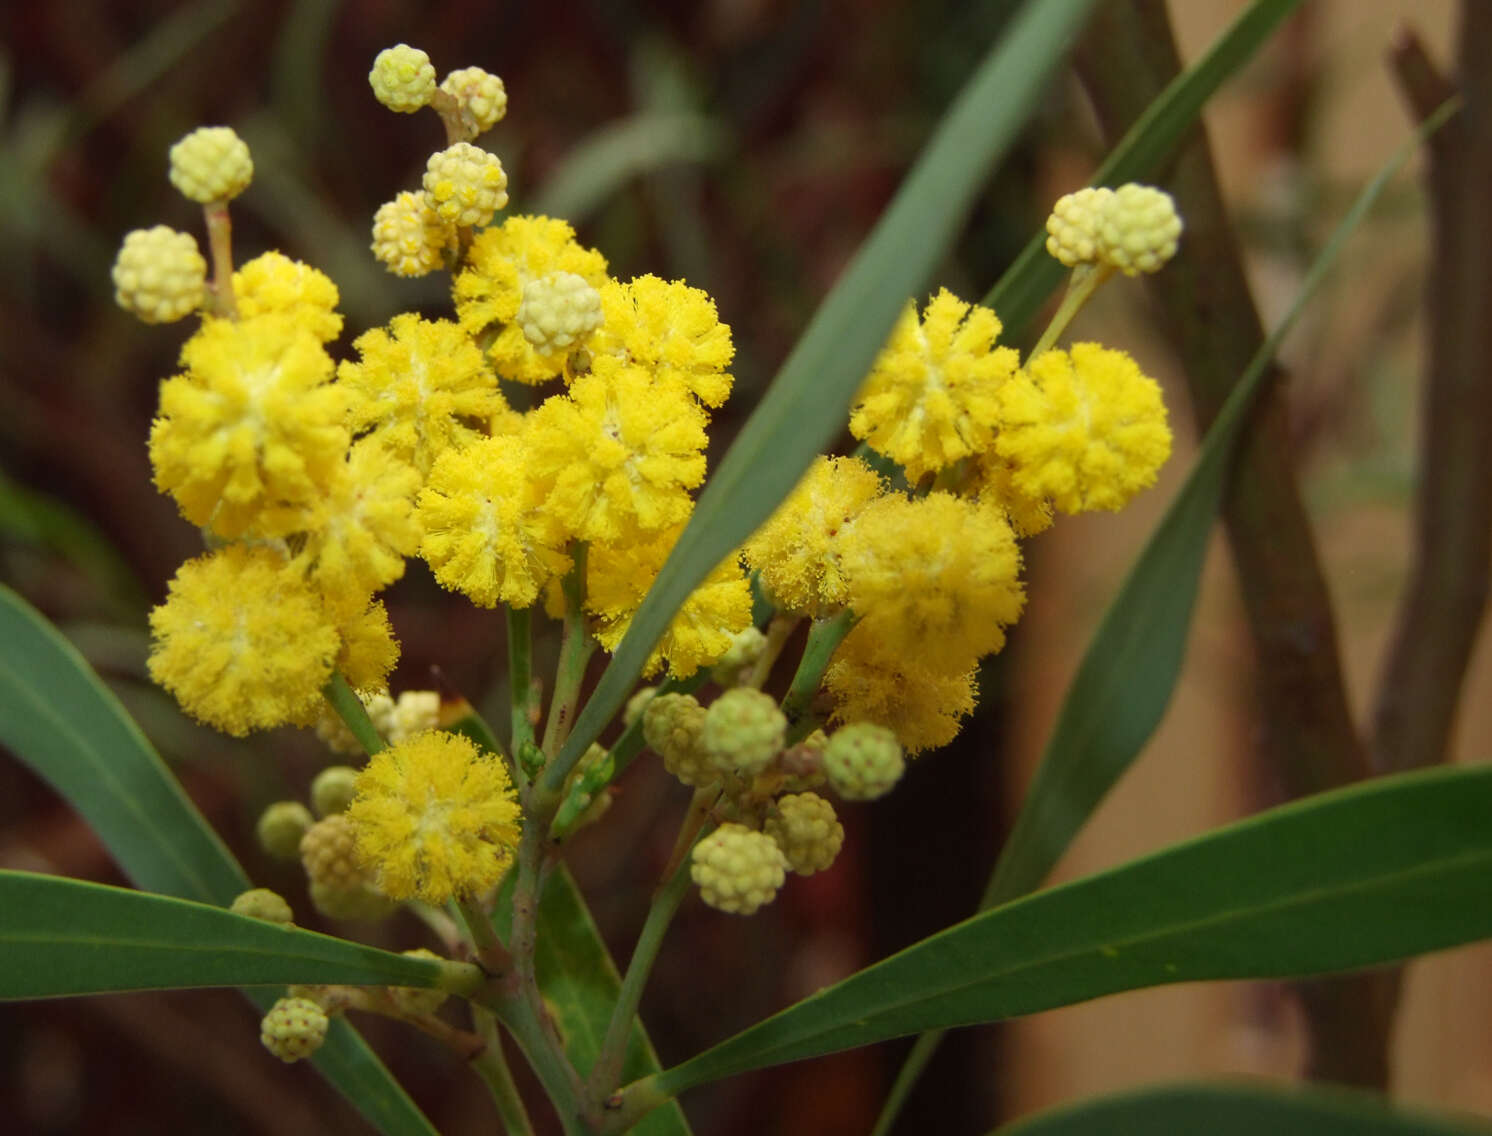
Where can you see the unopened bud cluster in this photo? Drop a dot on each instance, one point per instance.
(159, 274)
(558, 311)
(1134, 228)
(294, 1028)
(211, 164)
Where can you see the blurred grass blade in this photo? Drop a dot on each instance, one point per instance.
(1370, 874)
(1240, 1110)
(804, 409)
(580, 982)
(63, 937)
(1034, 276)
(59, 719)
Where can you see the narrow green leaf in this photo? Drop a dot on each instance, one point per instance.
(1241, 1109)
(1365, 875)
(58, 718)
(805, 407)
(1033, 277)
(581, 982)
(63, 937)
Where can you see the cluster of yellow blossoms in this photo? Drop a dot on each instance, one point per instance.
(315, 480)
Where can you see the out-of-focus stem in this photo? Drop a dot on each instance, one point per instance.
(576, 648)
(354, 714)
(823, 639)
(520, 677)
(220, 246)
(492, 1067)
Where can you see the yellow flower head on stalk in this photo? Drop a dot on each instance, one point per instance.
(434, 818)
(1085, 429)
(936, 573)
(421, 386)
(932, 396)
(619, 575)
(369, 649)
(992, 483)
(360, 532)
(253, 430)
(502, 261)
(487, 533)
(275, 283)
(243, 641)
(921, 701)
(797, 550)
(670, 329)
(621, 451)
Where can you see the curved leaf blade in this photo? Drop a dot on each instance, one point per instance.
(1240, 1110)
(64, 937)
(58, 718)
(805, 406)
(1365, 875)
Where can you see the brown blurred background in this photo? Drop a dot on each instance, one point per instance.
(746, 146)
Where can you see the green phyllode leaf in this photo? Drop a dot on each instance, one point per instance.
(1365, 875)
(59, 719)
(1243, 1109)
(804, 409)
(63, 937)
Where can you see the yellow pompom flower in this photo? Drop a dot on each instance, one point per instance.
(501, 263)
(670, 329)
(931, 398)
(409, 238)
(797, 550)
(487, 534)
(1085, 429)
(620, 451)
(362, 529)
(991, 484)
(273, 282)
(435, 818)
(243, 642)
(254, 430)
(369, 650)
(619, 575)
(921, 701)
(936, 572)
(421, 386)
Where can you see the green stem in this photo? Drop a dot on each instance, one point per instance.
(520, 676)
(630, 1105)
(492, 1067)
(220, 246)
(823, 639)
(350, 709)
(779, 630)
(526, 1019)
(1086, 279)
(576, 648)
(608, 1067)
(490, 952)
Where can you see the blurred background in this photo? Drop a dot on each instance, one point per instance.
(746, 146)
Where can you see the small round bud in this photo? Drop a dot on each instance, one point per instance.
(328, 850)
(418, 1000)
(402, 78)
(737, 870)
(480, 95)
(638, 703)
(1139, 229)
(1073, 227)
(261, 903)
(807, 831)
(863, 761)
(744, 652)
(294, 1028)
(557, 311)
(465, 184)
(281, 827)
(333, 789)
(211, 164)
(359, 902)
(159, 274)
(673, 724)
(409, 238)
(415, 712)
(744, 731)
